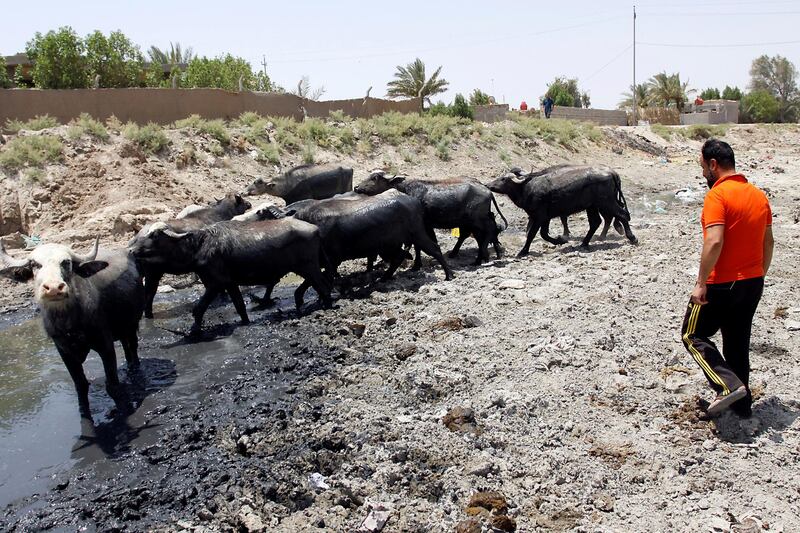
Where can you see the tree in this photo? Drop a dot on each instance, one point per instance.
(586, 101)
(710, 94)
(478, 97)
(778, 76)
(667, 89)
(175, 55)
(731, 93)
(58, 59)
(564, 92)
(759, 106)
(642, 91)
(117, 61)
(411, 82)
(5, 83)
(461, 108)
(222, 73)
(304, 89)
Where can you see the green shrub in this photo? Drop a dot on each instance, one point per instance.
(461, 108)
(308, 154)
(188, 156)
(338, 115)
(192, 121)
(705, 131)
(86, 125)
(443, 149)
(438, 109)
(30, 151)
(759, 106)
(39, 122)
(114, 124)
(559, 131)
(35, 174)
(267, 153)
(215, 129)
(150, 137)
(249, 118)
(662, 131)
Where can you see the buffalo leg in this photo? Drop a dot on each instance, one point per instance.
(109, 358)
(151, 281)
(130, 345)
(75, 369)
(418, 256)
(201, 306)
(623, 217)
(430, 247)
(266, 300)
(463, 234)
(395, 260)
(533, 228)
(238, 302)
(315, 279)
(565, 224)
(483, 246)
(594, 222)
(607, 219)
(545, 232)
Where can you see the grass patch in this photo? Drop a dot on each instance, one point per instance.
(564, 132)
(114, 124)
(662, 131)
(30, 151)
(86, 125)
(215, 129)
(267, 153)
(37, 123)
(35, 175)
(188, 156)
(308, 154)
(338, 115)
(700, 132)
(443, 149)
(249, 118)
(150, 137)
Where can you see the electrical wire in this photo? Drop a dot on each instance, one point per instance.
(713, 45)
(598, 71)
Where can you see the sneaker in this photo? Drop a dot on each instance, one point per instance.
(721, 403)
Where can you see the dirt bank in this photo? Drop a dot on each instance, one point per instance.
(578, 401)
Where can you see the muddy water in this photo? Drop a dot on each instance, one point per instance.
(42, 436)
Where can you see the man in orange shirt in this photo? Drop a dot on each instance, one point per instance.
(737, 251)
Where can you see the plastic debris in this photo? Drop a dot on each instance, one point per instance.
(317, 481)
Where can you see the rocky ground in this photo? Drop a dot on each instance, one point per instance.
(550, 393)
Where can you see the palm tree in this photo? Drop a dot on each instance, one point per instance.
(173, 56)
(410, 82)
(667, 89)
(642, 96)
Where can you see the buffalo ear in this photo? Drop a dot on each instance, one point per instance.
(397, 179)
(89, 268)
(17, 273)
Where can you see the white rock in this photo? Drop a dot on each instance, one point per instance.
(512, 284)
(792, 325)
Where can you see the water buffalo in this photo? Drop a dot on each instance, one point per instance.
(87, 302)
(228, 254)
(456, 203)
(365, 226)
(562, 191)
(225, 209)
(305, 182)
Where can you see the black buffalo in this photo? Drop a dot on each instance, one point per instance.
(87, 302)
(455, 203)
(361, 226)
(228, 254)
(564, 190)
(225, 209)
(305, 182)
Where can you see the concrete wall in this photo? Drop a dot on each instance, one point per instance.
(602, 117)
(491, 113)
(657, 115)
(163, 106)
(713, 112)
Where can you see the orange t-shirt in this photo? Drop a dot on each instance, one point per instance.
(744, 210)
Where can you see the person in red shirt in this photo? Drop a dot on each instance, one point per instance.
(737, 251)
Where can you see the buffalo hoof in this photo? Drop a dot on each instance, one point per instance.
(245, 321)
(84, 410)
(562, 240)
(584, 246)
(522, 253)
(634, 240)
(453, 254)
(263, 302)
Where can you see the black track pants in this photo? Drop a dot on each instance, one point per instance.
(730, 309)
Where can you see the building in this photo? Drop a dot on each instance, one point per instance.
(713, 112)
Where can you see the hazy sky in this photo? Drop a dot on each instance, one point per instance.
(509, 49)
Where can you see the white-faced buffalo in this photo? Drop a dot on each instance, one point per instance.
(225, 209)
(87, 302)
(562, 191)
(361, 226)
(455, 203)
(305, 182)
(228, 254)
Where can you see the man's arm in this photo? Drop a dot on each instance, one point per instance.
(769, 244)
(712, 247)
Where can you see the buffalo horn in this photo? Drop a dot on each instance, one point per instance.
(88, 257)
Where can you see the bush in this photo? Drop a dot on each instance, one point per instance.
(86, 125)
(114, 124)
(439, 109)
(461, 108)
(222, 73)
(563, 132)
(151, 137)
(37, 123)
(478, 97)
(443, 150)
(249, 118)
(30, 151)
(215, 129)
(662, 131)
(339, 116)
(267, 153)
(759, 106)
(117, 61)
(700, 132)
(5, 82)
(58, 60)
(308, 154)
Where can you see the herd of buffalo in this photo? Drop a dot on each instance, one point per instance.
(90, 301)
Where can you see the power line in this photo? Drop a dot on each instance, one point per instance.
(598, 71)
(716, 13)
(713, 45)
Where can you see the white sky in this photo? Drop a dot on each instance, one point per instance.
(511, 49)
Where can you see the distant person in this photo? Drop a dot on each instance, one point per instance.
(699, 101)
(523, 106)
(737, 251)
(548, 105)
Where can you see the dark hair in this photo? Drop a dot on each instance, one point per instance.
(720, 151)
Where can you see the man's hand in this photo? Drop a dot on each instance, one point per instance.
(699, 294)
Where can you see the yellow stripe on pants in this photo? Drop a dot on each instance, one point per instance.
(690, 329)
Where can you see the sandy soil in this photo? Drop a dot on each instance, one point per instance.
(557, 381)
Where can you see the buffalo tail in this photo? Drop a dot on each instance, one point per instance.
(497, 208)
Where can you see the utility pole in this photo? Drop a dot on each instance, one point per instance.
(635, 121)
